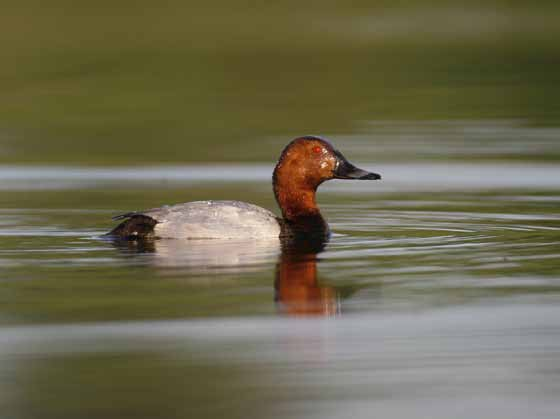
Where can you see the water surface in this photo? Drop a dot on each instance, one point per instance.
(437, 294)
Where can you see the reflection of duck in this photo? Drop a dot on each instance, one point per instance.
(296, 288)
(303, 165)
(297, 291)
(232, 256)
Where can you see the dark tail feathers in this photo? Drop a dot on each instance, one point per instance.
(134, 227)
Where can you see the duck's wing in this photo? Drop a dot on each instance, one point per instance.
(214, 219)
(199, 219)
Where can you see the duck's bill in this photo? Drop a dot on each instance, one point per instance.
(358, 174)
(346, 170)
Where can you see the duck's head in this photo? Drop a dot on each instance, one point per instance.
(304, 164)
(312, 160)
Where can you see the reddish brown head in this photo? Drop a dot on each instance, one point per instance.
(304, 164)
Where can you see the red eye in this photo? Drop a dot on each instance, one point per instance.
(317, 149)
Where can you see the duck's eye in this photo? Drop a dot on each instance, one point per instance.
(317, 149)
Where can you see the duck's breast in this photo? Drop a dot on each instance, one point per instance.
(214, 219)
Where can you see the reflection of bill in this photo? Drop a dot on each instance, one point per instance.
(297, 290)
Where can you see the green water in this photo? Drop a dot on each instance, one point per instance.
(430, 294)
(436, 296)
(418, 248)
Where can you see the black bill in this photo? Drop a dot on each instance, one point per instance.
(346, 170)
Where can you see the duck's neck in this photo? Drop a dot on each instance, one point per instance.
(297, 202)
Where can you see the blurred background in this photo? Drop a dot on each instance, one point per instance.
(438, 294)
(131, 82)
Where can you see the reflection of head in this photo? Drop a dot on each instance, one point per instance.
(296, 288)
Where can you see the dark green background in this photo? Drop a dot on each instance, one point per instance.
(135, 81)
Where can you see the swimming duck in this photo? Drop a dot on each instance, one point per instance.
(304, 164)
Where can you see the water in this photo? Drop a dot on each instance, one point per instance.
(436, 296)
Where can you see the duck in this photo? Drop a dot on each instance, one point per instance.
(304, 164)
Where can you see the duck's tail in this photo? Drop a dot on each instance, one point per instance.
(134, 227)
